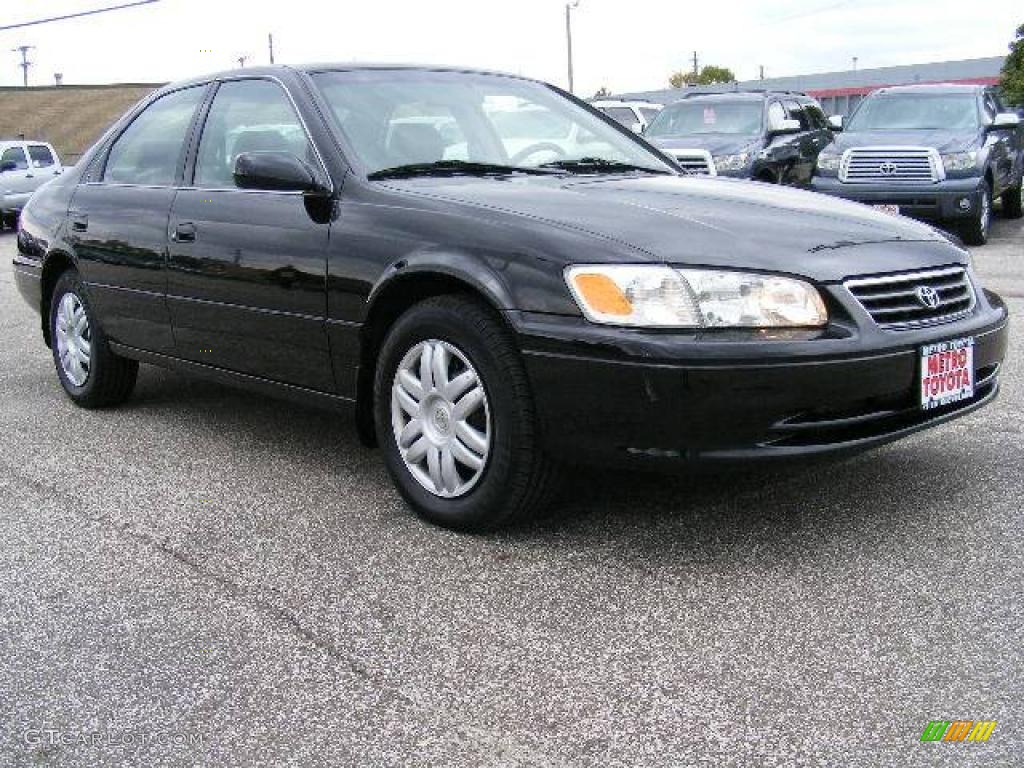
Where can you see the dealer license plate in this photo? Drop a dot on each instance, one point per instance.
(947, 372)
(893, 209)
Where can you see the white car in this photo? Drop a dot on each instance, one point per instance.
(635, 115)
(24, 167)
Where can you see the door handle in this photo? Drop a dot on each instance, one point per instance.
(185, 232)
(79, 222)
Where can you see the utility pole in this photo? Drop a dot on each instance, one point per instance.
(762, 71)
(854, 63)
(270, 45)
(695, 66)
(568, 37)
(25, 63)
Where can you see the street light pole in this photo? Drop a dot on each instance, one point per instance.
(568, 37)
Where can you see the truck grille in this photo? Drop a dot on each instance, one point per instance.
(695, 162)
(916, 298)
(919, 165)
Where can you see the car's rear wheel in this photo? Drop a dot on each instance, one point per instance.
(455, 417)
(91, 374)
(1013, 201)
(976, 229)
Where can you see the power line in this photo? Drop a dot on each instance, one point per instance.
(77, 15)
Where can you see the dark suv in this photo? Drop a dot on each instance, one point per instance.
(765, 136)
(937, 152)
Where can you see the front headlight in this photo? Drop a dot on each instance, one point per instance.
(657, 296)
(732, 162)
(960, 161)
(828, 162)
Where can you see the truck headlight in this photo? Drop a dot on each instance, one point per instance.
(732, 162)
(657, 296)
(960, 161)
(828, 161)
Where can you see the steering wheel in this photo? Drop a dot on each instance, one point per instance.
(533, 149)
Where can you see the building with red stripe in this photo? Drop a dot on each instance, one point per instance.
(840, 92)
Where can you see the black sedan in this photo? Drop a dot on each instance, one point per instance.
(498, 279)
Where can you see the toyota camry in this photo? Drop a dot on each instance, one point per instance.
(497, 280)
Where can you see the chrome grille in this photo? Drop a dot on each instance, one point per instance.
(696, 162)
(902, 300)
(914, 165)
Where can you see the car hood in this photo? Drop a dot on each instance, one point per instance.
(711, 222)
(944, 141)
(715, 143)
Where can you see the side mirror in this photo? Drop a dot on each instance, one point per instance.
(1005, 120)
(835, 123)
(276, 172)
(786, 126)
(637, 128)
(8, 165)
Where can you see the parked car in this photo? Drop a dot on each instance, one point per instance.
(765, 136)
(941, 153)
(493, 318)
(635, 115)
(24, 167)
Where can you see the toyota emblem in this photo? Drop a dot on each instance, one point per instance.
(888, 168)
(928, 296)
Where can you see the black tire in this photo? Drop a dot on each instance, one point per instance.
(1013, 204)
(110, 378)
(976, 229)
(517, 477)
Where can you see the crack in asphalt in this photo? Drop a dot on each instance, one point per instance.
(504, 748)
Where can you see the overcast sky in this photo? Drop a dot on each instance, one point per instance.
(631, 45)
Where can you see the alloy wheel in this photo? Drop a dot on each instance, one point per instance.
(74, 339)
(441, 418)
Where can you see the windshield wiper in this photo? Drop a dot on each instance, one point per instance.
(599, 165)
(450, 167)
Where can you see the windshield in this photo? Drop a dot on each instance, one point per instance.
(916, 112)
(689, 117)
(395, 118)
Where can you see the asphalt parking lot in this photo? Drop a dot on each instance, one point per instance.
(208, 577)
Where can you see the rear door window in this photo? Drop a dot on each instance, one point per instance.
(151, 149)
(40, 155)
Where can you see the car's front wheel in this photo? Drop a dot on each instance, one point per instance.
(976, 229)
(91, 374)
(455, 417)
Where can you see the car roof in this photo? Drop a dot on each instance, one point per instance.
(936, 88)
(277, 71)
(746, 96)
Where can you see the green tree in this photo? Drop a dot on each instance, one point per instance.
(712, 74)
(1012, 79)
(709, 75)
(602, 93)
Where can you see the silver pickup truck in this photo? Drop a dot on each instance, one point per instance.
(24, 167)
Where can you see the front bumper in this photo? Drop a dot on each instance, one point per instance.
(619, 397)
(941, 201)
